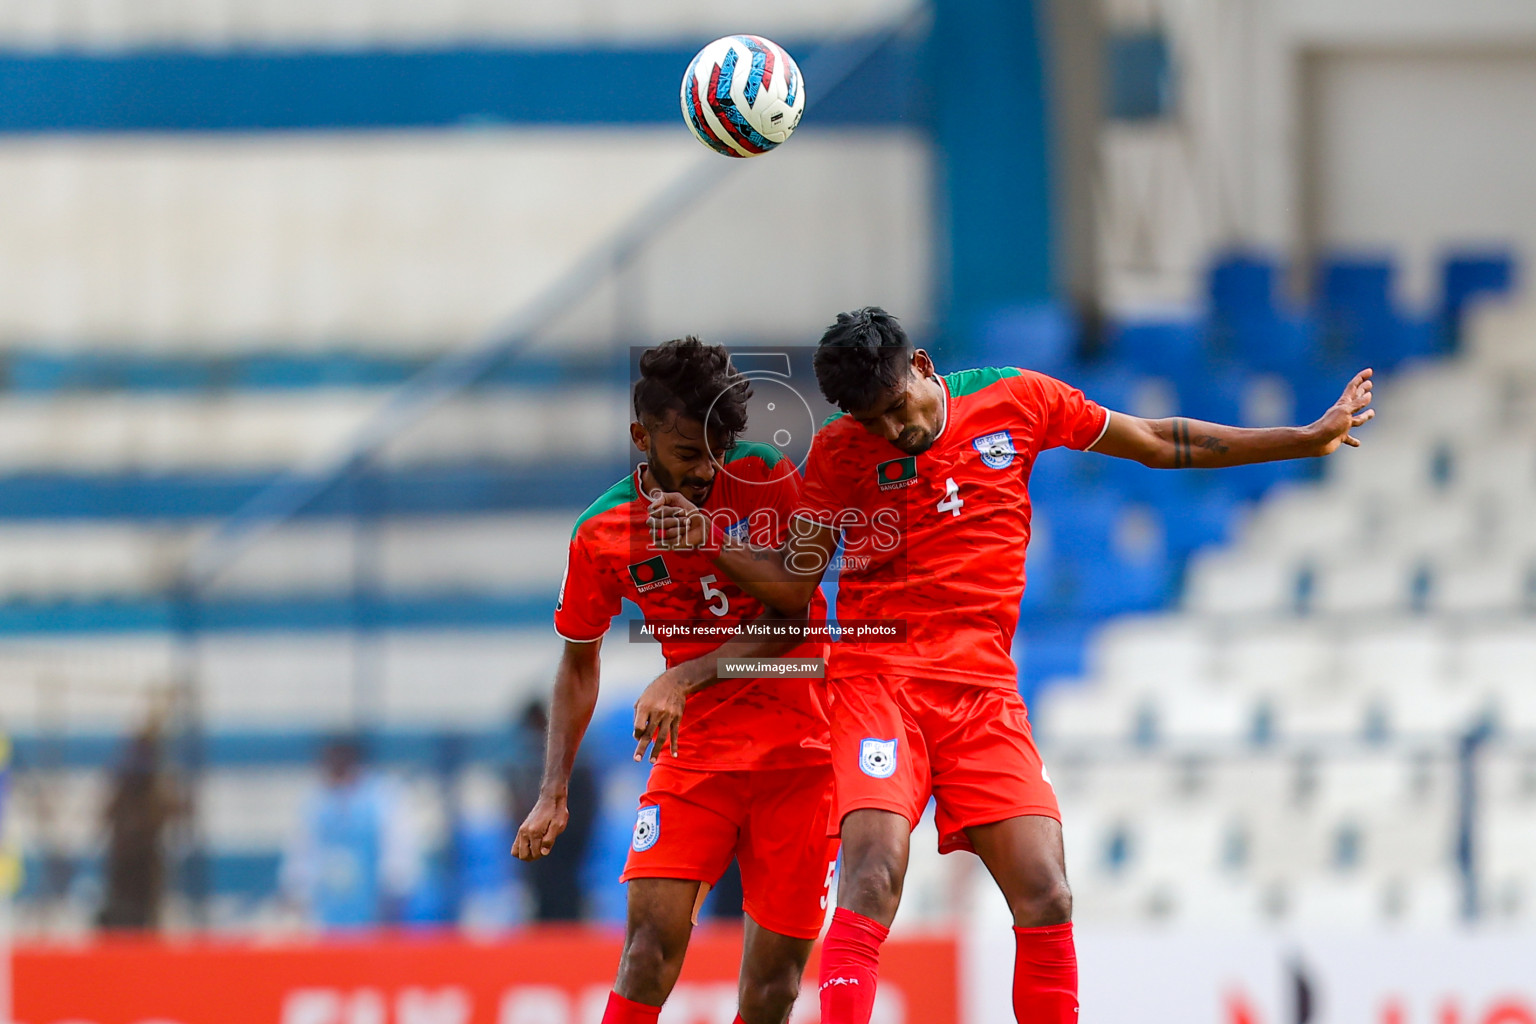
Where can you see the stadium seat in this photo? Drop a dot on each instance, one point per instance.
(1363, 586)
(1161, 348)
(1353, 900)
(1469, 277)
(1064, 715)
(1404, 653)
(1277, 655)
(1223, 582)
(1154, 651)
(1486, 584)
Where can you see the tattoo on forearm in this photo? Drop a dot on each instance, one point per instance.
(1183, 445)
(1211, 444)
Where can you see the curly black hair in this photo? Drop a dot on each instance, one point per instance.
(695, 380)
(861, 358)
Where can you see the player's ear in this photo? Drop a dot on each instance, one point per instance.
(641, 438)
(922, 364)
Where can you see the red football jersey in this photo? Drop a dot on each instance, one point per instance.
(937, 540)
(736, 723)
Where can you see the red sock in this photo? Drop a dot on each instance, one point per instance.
(850, 963)
(1045, 975)
(627, 1011)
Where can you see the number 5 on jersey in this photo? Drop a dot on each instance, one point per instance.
(720, 601)
(952, 502)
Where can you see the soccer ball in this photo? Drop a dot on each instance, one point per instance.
(742, 95)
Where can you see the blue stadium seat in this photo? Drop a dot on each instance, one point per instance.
(1242, 285)
(1360, 316)
(1465, 275)
(1162, 347)
(1205, 519)
(1040, 337)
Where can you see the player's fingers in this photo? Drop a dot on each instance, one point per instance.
(668, 502)
(656, 738)
(642, 730)
(551, 833)
(672, 736)
(1351, 441)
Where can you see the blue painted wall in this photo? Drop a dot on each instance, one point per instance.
(991, 134)
(173, 91)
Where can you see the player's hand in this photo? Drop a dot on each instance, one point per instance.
(659, 715)
(675, 522)
(1350, 411)
(538, 832)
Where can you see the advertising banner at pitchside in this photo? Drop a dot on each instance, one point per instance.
(545, 976)
(1334, 977)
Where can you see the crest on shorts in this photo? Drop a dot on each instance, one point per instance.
(647, 829)
(996, 449)
(877, 758)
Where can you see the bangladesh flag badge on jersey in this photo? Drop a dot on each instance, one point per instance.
(896, 473)
(650, 574)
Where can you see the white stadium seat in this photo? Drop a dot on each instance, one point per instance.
(1406, 653)
(1152, 651)
(1498, 583)
(1363, 586)
(1225, 583)
(1278, 655)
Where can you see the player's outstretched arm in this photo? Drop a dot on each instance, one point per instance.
(570, 710)
(659, 711)
(784, 579)
(1179, 443)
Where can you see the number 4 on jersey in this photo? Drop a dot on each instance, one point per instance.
(952, 502)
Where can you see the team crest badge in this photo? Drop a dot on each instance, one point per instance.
(647, 829)
(996, 449)
(737, 531)
(877, 758)
(650, 574)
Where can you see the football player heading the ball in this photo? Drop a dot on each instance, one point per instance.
(749, 776)
(943, 463)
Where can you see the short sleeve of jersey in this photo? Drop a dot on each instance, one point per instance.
(821, 499)
(1068, 418)
(588, 601)
(785, 494)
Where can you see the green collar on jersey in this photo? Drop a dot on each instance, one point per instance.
(621, 493)
(624, 492)
(968, 382)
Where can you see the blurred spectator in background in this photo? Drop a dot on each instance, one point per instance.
(354, 858)
(144, 801)
(554, 878)
(488, 897)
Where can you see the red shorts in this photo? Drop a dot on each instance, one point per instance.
(897, 740)
(773, 821)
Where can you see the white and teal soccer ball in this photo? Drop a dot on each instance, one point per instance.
(742, 96)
